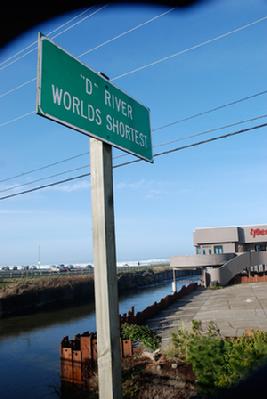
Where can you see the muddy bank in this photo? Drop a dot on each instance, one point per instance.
(64, 291)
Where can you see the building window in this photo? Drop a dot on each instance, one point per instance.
(204, 252)
(210, 251)
(218, 249)
(198, 250)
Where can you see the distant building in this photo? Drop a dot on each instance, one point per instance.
(223, 252)
(220, 240)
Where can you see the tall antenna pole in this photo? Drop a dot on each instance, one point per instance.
(39, 256)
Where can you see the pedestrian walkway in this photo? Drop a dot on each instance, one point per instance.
(234, 309)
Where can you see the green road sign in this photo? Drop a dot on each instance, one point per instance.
(70, 93)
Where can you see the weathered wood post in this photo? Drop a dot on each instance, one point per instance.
(174, 285)
(106, 288)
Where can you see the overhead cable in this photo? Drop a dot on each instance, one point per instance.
(17, 118)
(172, 150)
(47, 34)
(44, 167)
(21, 85)
(195, 47)
(125, 33)
(44, 178)
(81, 20)
(53, 37)
(45, 186)
(52, 176)
(212, 130)
(155, 146)
(224, 136)
(27, 82)
(214, 109)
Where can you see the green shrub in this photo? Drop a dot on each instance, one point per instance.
(141, 333)
(217, 362)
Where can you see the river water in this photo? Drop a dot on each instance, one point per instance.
(29, 345)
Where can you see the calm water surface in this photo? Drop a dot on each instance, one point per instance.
(29, 345)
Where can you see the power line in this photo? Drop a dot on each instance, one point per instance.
(17, 118)
(176, 149)
(82, 20)
(44, 178)
(44, 167)
(212, 130)
(158, 61)
(48, 34)
(224, 136)
(53, 37)
(52, 176)
(195, 47)
(49, 166)
(125, 33)
(214, 109)
(45, 186)
(26, 83)
(21, 85)
(154, 130)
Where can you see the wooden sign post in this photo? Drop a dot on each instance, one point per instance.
(106, 286)
(72, 94)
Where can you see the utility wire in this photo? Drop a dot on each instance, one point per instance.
(48, 34)
(158, 61)
(125, 33)
(229, 104)
(26, 83)
(195, 47)
(224, 136)
(17, 118)
(212, 130)
(52, 176)
(154, 130)
(45, 186)
(176, 149)
(44, 178)
(81, 20)
(53, 37)
(44, 167)
(217, 108)
(21, 85)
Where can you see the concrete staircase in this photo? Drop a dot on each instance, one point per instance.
(246, 261)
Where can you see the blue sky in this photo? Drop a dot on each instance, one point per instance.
(158, 205)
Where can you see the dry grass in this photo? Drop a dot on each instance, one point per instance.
(18, 286)
(145, 379)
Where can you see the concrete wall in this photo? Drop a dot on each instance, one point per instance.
(253, 234)
(220, 235)
(200, 260)
(215, 235)
(229, 247)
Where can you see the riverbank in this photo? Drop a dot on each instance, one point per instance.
(26, 296)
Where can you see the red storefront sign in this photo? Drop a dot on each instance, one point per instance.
(258, 232)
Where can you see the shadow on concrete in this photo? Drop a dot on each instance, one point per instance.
(163, 319)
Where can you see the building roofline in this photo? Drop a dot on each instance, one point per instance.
(226, 227)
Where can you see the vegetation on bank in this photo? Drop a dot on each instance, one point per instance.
(218, 362)
(212, 362)
(20, 285)
(141, 333)
(17, 286)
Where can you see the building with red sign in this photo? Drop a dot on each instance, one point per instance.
(221, 240)
(223, 252)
